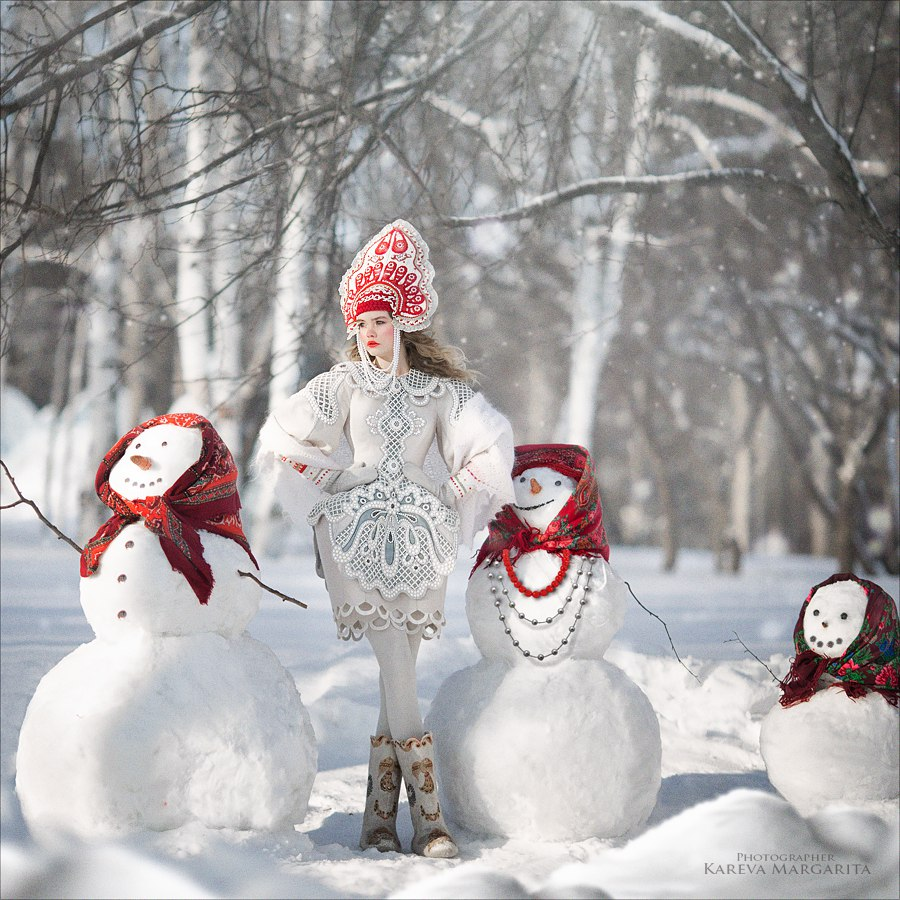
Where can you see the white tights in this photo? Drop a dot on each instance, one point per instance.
(396, 652)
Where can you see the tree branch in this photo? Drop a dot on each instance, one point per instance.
(67, 74)
(20, 72)
(24, 500)
(824, 140)
(272, 590)
(640, 184)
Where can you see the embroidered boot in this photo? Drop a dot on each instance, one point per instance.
(430, 837)
(379, 827)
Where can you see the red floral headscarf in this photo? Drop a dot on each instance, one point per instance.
(204, 497)
(578, 527)
(870, 662)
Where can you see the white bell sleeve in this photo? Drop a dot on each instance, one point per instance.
(299, 441)
(475, 442)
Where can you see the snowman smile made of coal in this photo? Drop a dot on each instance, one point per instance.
(173, 714)
(543, 738)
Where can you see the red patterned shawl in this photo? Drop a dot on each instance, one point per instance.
(578, 527)
(204, 498)
(870, 662)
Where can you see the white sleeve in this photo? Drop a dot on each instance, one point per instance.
(476, 444)
(299, 440)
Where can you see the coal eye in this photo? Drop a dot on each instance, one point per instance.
(137, 446)
(558, 483)
(843, 615)
(522, 480)
(815, 612)
(165, 443)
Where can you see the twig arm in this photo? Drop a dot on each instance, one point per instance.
(669, 636)
(23, 499)
(737, 638)
(272, 590)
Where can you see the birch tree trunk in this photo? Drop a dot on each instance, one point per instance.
(191, 293)
(103, 378)
(597, 301)
(290, 302)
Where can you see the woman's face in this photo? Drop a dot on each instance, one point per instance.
(377, 332)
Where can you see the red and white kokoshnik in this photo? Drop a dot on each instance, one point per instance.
(391, 274)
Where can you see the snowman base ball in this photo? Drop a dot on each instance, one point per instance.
(559, 755)
(151, 732)
(832, 749)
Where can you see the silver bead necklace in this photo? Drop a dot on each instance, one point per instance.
(498, 603)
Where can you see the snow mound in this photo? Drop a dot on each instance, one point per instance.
(742, 844)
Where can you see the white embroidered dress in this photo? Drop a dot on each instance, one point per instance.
(388, 545)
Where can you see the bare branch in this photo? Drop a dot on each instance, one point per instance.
(737, 638)
(823, 139)
(709, 43)
(641, 184)
(23, 499)
(68, 74)
(669, 636)
(20, 72)
(272, 590)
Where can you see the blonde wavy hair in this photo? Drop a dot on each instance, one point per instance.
(427, 354)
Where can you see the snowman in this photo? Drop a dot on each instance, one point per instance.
(173, 714)
(833, 736)
(544, 739)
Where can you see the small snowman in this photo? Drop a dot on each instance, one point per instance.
(833, 736)
(173, 714)
(543, 738)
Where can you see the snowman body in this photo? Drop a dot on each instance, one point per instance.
(543, 738)
(831, 748)
(173, 714)
(136, 587)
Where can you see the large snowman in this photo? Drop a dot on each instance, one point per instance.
(544, 739)
(833, 736)
(173, 714)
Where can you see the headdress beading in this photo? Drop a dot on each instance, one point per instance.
(391, 273)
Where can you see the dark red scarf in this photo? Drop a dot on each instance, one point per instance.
(204, 498)
(870, 662)
(578, 527)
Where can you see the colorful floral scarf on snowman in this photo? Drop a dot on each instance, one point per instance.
(578, 527)
(204, 497)
(871, 660)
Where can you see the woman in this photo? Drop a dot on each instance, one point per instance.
(386, 533)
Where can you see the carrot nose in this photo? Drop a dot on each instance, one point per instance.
(535, 486)
(142, 462)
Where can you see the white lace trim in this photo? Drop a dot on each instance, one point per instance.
(354, 619)
(322, 392)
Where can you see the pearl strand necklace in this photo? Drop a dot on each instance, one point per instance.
(550, 619)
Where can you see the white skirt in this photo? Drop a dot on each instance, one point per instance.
(357, 609)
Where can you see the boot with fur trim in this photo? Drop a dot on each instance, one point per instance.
(430, 837)
(379, 828)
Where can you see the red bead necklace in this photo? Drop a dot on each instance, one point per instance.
(564, 567)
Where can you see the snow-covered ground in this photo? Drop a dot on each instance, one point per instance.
(718, 829)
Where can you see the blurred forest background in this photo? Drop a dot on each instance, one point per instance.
(665, 230)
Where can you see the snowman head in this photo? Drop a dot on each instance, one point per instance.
(154, 460)
(833, 618)
(541, 492)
